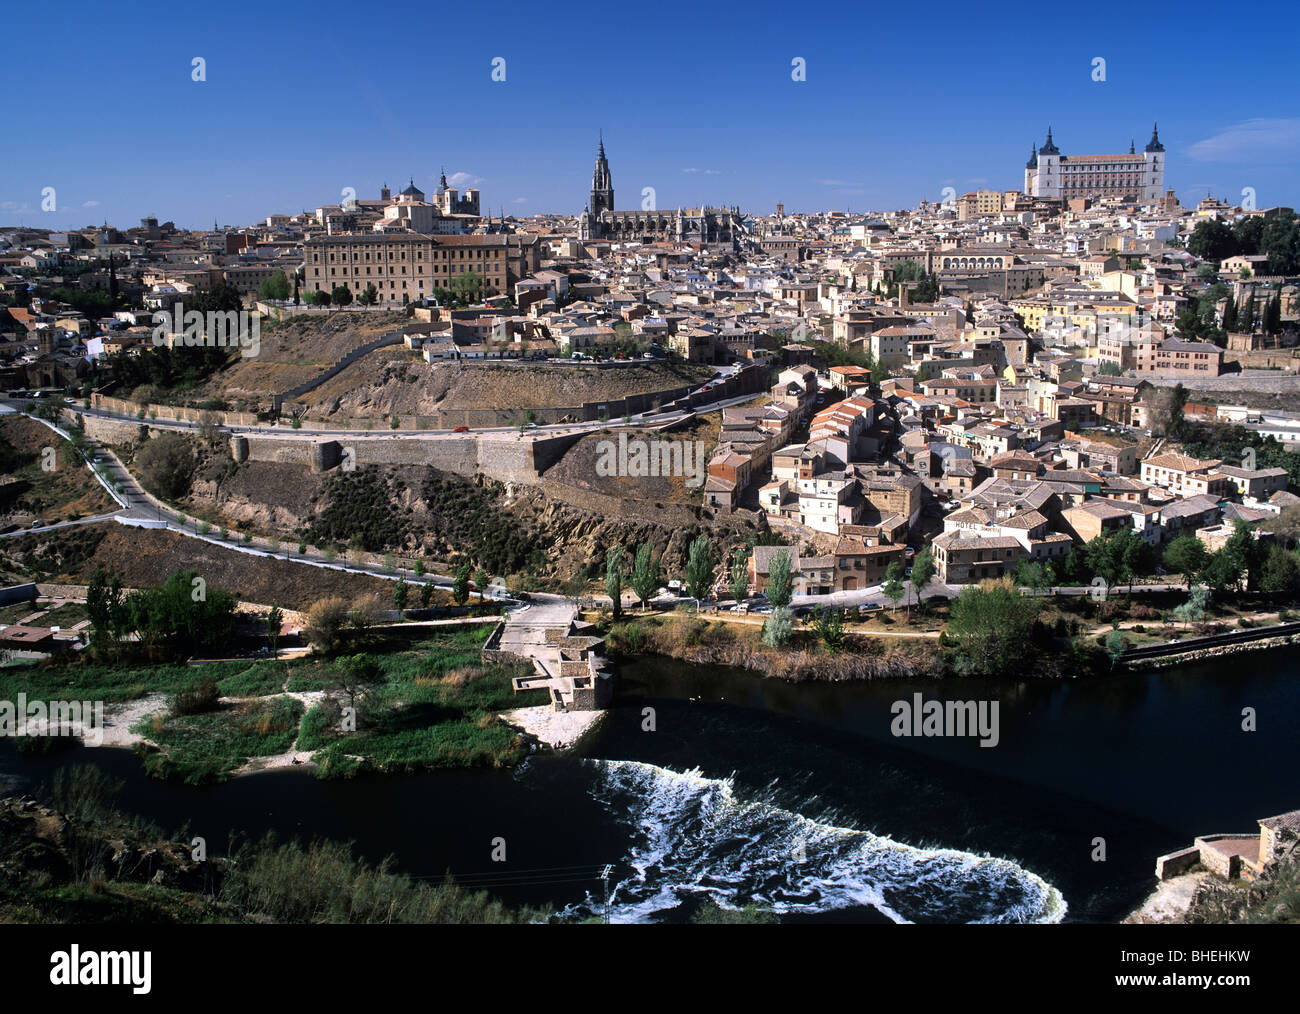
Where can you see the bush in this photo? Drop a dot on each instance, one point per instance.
(318, 724)
(325, 621)
(778, 628)
(627, 638)
(197, 698)
(166, 465)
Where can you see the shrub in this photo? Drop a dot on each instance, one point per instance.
(166, 464)
(778, 628)
(197, 698)
(325, 620)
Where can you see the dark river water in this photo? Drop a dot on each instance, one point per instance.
(799, 797)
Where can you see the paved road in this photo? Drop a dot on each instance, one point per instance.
(142, 510)
(311, 433)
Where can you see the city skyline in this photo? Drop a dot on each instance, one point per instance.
(868, 128)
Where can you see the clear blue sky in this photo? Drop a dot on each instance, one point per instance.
(900, 101)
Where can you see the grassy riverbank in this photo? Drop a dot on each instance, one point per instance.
(413, 700)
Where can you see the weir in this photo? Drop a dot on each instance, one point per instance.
(566, 661)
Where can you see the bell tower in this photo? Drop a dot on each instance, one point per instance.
(602, 184)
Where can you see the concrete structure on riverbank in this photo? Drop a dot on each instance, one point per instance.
(566, 657)
(1238, 856)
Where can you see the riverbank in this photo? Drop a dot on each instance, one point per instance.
(414, 700)
(557, 729)
(1170, 902)
(1203, 654)
(1200, 898)
(805, 659)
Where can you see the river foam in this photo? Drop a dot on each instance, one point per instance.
(691, 834)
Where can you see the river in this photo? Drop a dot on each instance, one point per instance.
(799, 797)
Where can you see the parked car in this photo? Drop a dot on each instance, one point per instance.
(461, 429)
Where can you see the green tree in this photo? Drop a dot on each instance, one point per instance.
(923, 570)
(990, 627)
(356, 676)
(1230, 314)
(1212, 240)
(276, 287)
(1279, 572)
(739, 575)
(341, 296)
(1273, 314)
(166, 465)
(183, 615)
(778, 628)
(1193, 610)
(460, 582)
(274, 620)
(893, 588)
(829, 624)
(780, 579)
(426, 593)
(467, 285)
(481, 581)
(699, 568)
(400, 592)
(645, 574)
(369, 296)
(1036, 575)
(614, 578)
(325, 620)
(1186, 555)
(105, 605)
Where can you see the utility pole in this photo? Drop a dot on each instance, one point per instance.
(604, 876)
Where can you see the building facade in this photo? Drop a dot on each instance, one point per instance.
(1137, 176)
(690, 225)
(407, 267)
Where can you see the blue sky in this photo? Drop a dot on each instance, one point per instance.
(899, 102)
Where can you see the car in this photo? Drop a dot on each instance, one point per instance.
(35, 524)
(461, 429)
